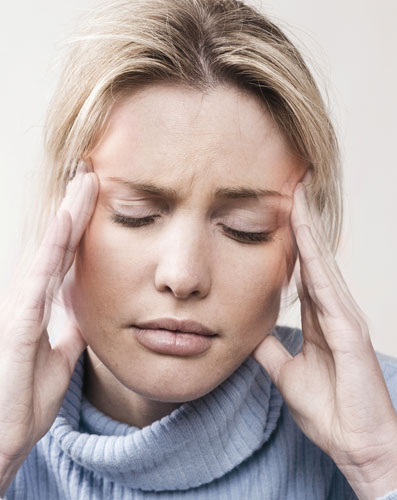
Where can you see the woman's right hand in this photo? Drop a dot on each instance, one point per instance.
(34, 375)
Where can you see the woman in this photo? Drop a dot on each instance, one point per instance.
(208, 177)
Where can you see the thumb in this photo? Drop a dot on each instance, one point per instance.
(71, 344)
(272, 355)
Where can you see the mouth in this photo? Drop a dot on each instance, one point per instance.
(177, 326)
(174, 337)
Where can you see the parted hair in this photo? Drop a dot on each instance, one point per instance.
(125, 44)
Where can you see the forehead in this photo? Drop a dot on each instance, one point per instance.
(173, 134)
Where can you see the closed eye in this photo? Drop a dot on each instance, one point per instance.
(133, 221)
(249, 237)
(244, 236)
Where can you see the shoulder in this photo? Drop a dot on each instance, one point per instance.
(290, 337)
(388, 365)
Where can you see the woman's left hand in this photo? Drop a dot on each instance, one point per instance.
(334, 388)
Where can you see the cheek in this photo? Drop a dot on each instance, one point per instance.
(252, 287)
(260, 270)
(107, 270)
(106, 254)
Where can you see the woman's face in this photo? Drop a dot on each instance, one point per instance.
(200, 154)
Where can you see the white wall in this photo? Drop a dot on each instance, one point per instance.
(353, 44)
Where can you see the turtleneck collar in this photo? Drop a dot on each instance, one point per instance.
(198, 442)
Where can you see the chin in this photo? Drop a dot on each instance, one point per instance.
(173, 383)
(172, 392)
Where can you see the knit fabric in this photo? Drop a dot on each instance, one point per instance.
(237, 442)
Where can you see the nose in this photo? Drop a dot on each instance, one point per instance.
(183, 266)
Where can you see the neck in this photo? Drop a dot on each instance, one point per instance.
(104, 391)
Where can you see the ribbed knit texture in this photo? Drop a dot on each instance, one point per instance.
(238, 442)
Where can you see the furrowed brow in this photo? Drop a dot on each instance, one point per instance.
(246, 192)
(237, 192)
(146, 187)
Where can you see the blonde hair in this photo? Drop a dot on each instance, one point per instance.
(200, 44)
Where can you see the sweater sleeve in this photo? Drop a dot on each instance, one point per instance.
(389, 369)
(390, 496)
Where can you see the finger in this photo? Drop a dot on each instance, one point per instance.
(311, 328)
(316, 280)
(306, 214)
(272, 355)
(321, 283)
(312, 213)
(81, 209)
(45, 268)
(79, 202)
(310, 253)
(78, 196)
(36, 287)
(73, 191)
(28, 262)
(334, 309)
(54, 257)
(39, 263)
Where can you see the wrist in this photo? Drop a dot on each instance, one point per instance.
(373, 479)
(8, 471)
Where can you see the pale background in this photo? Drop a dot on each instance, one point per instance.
(353, 45)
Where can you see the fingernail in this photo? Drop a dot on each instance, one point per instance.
(300, 187)
(74, 180)
(308, 178)
(82, 168)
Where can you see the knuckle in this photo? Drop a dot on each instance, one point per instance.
(311, 260)
(302, 229)
(54, 246)
(31, 315)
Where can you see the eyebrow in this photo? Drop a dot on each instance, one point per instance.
(236, 192)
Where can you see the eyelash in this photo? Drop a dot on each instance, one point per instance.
(240, 235)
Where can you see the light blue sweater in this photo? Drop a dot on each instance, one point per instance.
(238, 442)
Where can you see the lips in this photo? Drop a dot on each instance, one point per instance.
(175, 325)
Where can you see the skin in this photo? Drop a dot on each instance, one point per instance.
(182, 265)
(334, 387)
